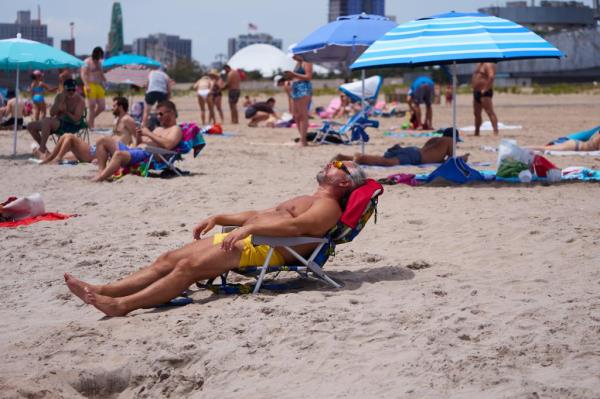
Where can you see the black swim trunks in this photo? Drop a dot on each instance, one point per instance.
(152, 97)
(405, 155)
(234, 95)
(423, 94)
(477, 95)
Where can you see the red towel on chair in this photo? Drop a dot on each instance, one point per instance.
(46, 216)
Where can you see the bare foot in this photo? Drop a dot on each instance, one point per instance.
(476, 134)
(77, 287)
(107, 305)
(96, 179)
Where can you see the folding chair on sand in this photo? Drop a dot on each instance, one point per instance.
(357, 124)
(81, 128)
(359, 207)
(161, 159)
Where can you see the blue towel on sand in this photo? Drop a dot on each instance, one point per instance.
(584, 135)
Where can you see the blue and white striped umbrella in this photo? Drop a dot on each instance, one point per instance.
(455, 37)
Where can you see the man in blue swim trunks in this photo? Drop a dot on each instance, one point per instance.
(435, 150)
(166, 136)
(206, 257)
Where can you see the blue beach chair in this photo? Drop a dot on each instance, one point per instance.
(360, 205)
(355, 128)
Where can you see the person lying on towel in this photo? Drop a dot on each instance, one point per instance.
(435, 150)
(207, 257)
(592, 144)
(123, 130)
(167, 136)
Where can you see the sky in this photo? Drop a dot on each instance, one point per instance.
(208, 23)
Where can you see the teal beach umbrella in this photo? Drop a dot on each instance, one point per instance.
(18, 54)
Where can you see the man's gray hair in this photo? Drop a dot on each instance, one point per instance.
(357, 175)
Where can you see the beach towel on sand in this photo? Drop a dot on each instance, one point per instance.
(25, 211)
(583, 135)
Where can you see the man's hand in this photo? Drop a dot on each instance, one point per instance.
(204, 227)
(232, 238)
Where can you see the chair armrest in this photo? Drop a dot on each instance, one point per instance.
(228, 229)
(158, 150)
(286, 241)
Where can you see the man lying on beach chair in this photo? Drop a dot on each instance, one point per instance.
(174, 271)
(435, 150)
(166, 137)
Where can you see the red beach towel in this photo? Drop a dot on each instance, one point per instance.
(49, 216)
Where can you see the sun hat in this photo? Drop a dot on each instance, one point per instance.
(213, 72)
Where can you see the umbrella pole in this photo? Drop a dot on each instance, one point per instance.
(16, 115)
(362, 110)
(454, 109)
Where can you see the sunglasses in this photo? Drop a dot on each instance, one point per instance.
(340, 165)
(161, 114)
(71, 90)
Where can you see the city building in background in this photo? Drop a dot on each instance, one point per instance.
(547, 17)
(570, 26)
(338, 8)
(31, 29)
(115, 35)
(167, 49)
(235, 44)
(68, 45)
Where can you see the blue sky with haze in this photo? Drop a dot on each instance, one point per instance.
(208, 23)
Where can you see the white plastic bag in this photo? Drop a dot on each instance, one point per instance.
(24, 207)
(509, 149)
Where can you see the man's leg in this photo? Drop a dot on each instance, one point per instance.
(234, 112)
(428, 117)
(105, 147)
(91, 112)
(488, 106)
(34, 129)
(259, 117)
(477, 114)
(48, 126)
(118, 160)
(365, 159)
(417, 110)
(164, 280)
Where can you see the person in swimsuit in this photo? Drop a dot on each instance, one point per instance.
(66, 116)
(37, 89)
(592, 144)
(167, 136)
(124, 131)
(422, 92)
(93, 80)
(232, 84)
(301, 94)
(214, 97)
(158, 90)
(8, 113)
(435, 150)
(202, 87)
(207, 257)
(483, 91)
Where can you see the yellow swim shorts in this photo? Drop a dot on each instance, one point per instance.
(96, 92)
(252, 255)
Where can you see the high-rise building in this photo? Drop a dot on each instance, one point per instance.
(115, 35)
(167, 49)
(68, 46)
(235, 44)
(31, 29)
(337, 8)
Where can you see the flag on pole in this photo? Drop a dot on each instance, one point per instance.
(252, 26)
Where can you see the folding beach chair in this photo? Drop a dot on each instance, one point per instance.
(357, 124)
(82, 133)
(161, 159)
(359, 207)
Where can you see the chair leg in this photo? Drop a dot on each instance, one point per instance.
(263, 271)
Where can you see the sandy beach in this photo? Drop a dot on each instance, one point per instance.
(480, 291)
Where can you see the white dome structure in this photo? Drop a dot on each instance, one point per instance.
(267, 59)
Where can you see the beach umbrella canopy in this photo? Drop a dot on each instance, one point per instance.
(17, 54)
(128, 74)
(130, 59)
(344, 39)
(453, 38)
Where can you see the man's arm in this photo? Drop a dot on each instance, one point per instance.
(59, 101)
(78, 113)
(319, 218)
(491, 73)
(169, 141)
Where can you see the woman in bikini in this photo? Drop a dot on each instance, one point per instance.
(37, 89)
(202, 87)
(301, 94)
